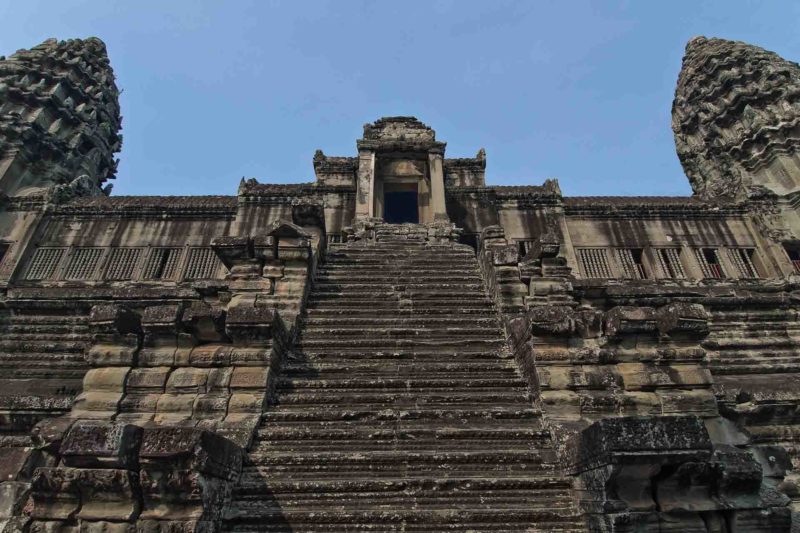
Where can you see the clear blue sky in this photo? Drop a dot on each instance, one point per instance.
(580, 91)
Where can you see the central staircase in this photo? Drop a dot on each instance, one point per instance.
(400, 407)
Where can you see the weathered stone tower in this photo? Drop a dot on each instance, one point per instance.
(59, 124)
(397, 346)
(735, 118)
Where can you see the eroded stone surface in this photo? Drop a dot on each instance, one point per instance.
(282, 359)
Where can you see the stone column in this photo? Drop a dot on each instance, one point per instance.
(365, 184)
(437, 187)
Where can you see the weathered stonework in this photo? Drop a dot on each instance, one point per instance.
(397, 346)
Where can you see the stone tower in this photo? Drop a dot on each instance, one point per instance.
(59, 130)
(59, 119)
(736, 118)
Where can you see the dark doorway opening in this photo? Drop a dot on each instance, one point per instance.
(400, 207)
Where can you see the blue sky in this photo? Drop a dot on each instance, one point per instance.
(579, 91)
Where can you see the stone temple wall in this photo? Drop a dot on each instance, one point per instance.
(142, 339)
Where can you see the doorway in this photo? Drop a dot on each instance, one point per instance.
(400, 203)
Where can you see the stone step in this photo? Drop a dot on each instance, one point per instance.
(79, 321)
(30, 334)
(451, 293)
(462, 355)
(334, 433)
(280, 523)
(394, 270)
(432, 398)
(331, 441)
(410, 321)
(386, 344)
(30, 346)
(400, 251)
(420, 286)
(552, 499)
(764, 343)
(385, 280)
(421, 381)
(482, 519)
(418, 305)
(374, 332)
(395, 276)
(764, 367)
(519, 411)
(43, 329)
(529, 419)
(396, 497)
(434, 263)
(402, 258)
(253, 480)
(405, 370)
(35, 359)
(499, 459)
(331, 311)
(400, 446)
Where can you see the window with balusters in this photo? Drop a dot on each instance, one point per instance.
(162, 263)
(594, 263)
(631, 262)
(122, 263)
(669, 262)
(709, 261)
(82, 263)
(203, 263)
(44, 263)
(742, 261)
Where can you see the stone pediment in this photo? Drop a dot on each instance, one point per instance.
(400, 133)
(402, 168)
(402, 128)
(286, 230)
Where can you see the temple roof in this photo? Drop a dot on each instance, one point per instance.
(736, 105)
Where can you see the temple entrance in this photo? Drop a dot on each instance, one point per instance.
(400, 203)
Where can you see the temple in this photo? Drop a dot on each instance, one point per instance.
(396, 345)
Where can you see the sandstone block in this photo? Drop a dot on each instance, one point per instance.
(210, 355)
(54, 494)
(250, 377)
(219, 379)
(108, 379)
(242, 402)
(102, 445)
(505, 255)
(627, 320)
(108, 494)
(153, 379)
(187, 380)
(176, 403)
(100, 405)
(159, 356)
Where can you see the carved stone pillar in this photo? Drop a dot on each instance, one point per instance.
(365, 184)
(437, 186)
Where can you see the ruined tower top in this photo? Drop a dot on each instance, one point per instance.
(735, 116)
(400, 134)
(61, 119)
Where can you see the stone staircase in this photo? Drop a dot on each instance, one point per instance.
(400, 408)
(42, 365)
